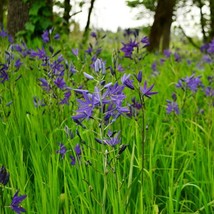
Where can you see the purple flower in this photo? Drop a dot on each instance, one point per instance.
(177, 57)
(172, 107)
(41, 54)
(4, 176)
(204, 47)
(3, 33)
(127, 82)
(89, 50)
(147, 91)
(45, 36)
(211, 47)
(167, 53)
(209, 92)
(16, 200)
(18, 63)
(56, 36)
(120, 68)
(85, 107)
(44, 84)
(99, 65)
(62, 150)
(75, 51)
(60, 83)
(88, 76)
(93, 34)
(3, 73)
(139, 76)
(112, 141)
(65, 100)
(193, 82)
(128, 48)
(78, 152)
(207, 59)
(145, 41)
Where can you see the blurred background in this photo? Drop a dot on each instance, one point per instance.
(160, 20)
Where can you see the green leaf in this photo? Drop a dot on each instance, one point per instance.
(30, 27)
(34, 10)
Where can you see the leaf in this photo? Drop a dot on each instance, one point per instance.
(30, 27)
(34, 10)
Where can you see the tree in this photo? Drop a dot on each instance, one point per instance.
(86, 31)
(17, 16)
(66, 15)
(211, 19)
(159, 36)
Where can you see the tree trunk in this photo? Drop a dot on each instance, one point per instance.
(17, 16)
(49, 6)
(211, 19)
(1, 13)
(66, 15)
(86, 31)
(160, 31)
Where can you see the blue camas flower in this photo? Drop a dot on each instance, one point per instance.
(127, 82)
(78, 152)
(128, 48)
(147, 91)
(16, 200)
(172, 106)
(62, 150)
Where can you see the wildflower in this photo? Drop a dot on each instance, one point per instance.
(193, 82)
(207, 59)
(177, 57)
(167, 53)
(45, 36)
(3, 74)
(172, 106)
(85, 107)
(145, 41)
(75, 51)
(62, 150)
(99, 65)
(209, 92)
(56, 36)
(4, 176)
(120, 68)
(93, 34)
(112, 141)
(78, 152)
(204, 47)
(89, 50)
(147, 91)
(18, 63)
(129, 48)
(16, 200)
(211, 47)
(139, 76)
(127, 82)
(65, 100)
(44, 84)
(88, 76)
(60, 83)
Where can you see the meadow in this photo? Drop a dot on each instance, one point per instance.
(105, 128)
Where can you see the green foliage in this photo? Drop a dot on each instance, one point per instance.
(149, 4)
(40, 19)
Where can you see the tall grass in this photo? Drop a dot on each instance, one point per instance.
(178, 170)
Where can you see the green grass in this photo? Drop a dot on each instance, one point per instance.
(178, 172)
